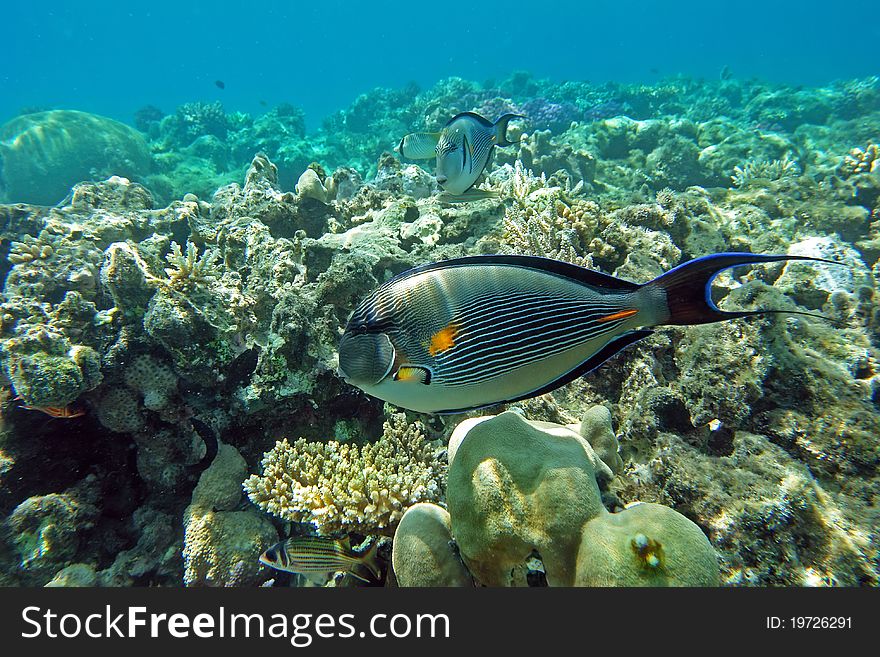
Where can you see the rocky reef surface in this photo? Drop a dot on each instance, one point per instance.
(201, 298)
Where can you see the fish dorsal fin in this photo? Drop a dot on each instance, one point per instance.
(482, 120)
(419, 145)
(582, 275)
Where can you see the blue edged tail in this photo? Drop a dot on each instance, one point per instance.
(688, 287)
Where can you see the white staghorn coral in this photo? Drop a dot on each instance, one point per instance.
(342, 488)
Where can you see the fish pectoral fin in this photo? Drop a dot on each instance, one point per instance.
(419, 145)
(413, 373)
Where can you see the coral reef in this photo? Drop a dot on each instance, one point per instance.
(423, 553)
(222, 545)
(213, 291)
(645, 545)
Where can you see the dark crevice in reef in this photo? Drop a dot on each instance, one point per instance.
(61, 452)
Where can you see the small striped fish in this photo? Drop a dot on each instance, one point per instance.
(317, 555)
(472, 332)
(463, 150)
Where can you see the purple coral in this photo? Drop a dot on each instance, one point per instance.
(490, 105)
(546, 115)
(606, 110)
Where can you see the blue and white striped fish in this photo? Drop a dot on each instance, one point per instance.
(473, 332)
(463, 150)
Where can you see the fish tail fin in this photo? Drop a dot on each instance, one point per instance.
(501, 129)
(418, 145)
(688, 287)
(368, 563)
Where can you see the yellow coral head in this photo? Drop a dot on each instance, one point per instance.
(365, 358)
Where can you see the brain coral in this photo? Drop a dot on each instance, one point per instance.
(350, 488)
(118, 411)
(44, 154)
(153, 379)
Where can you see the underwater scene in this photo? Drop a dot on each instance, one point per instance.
(440, 297)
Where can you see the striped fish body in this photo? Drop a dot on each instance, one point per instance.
(314, 555)
(478, 331)
(463, 148)
(473, 332)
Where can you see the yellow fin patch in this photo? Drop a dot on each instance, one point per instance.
(443, 340)
(622, 314)
(412, 373)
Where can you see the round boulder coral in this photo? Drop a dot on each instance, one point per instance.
(44, 154)
(515, 487)
(645, 545)
(153, 379)
(118, 411)
(423, 554)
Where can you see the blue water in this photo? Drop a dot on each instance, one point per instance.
(114, 57)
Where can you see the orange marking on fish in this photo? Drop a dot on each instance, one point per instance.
(443, 340)
(622, 314)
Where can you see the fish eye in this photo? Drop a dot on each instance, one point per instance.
(358, 328)
(271, 555)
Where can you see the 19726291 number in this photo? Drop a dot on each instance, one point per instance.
(810, 623)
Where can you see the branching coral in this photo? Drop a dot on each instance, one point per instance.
(523, 182)
(28, 249)
(343, 488)
(544, 222)
(546, 234)
(764, 170)
(189, 270)
(193, 120)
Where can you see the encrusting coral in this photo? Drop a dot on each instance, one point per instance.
(344, 488)
(222, 544)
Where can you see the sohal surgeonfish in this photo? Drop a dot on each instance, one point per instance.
(472, 332)
(318, 555)
(463, 150)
